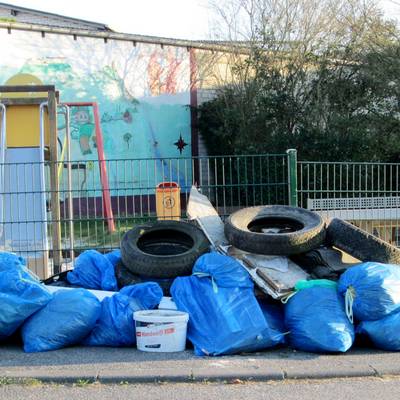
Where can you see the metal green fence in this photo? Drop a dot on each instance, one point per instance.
(366, 194)
(230, 182)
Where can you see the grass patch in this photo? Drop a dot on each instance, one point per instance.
(93, 233)
(83, 382)
(4, 380)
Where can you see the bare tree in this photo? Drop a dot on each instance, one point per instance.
(282, 89)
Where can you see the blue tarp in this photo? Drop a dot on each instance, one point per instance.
(116, 326)
(224, 315)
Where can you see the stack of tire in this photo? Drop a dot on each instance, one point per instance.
(163, 250)
(284, 230)
(160, 252)
(275, 230)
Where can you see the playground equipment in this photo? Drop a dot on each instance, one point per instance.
(28, 143)
(102, 161)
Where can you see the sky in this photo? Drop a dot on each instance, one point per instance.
(182, 19)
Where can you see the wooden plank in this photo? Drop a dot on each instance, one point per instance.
(200, 209)
(54, 184)
(276, 282)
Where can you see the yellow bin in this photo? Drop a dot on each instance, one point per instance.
(168, 200)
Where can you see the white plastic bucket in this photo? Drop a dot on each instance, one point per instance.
(161, 330)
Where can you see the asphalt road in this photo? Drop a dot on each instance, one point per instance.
(345, 389)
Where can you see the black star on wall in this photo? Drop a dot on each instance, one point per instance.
(180, 144)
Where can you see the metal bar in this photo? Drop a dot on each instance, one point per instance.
(11, 101)
(292, 176)
(54, 182)
(3, 144)
(42, 176)
(69, 182)
(26, 88)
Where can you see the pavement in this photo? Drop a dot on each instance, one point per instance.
(116, 365)
(332, 389)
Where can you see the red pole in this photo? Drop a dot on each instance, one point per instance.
(103, 170)
(102, 163)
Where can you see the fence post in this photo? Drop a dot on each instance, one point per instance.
(292, 176)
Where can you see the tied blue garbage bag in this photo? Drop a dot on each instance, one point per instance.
(115, 326)
(114, 257)
(371, 290)
(275, 317)
(384, 333)
(66, 320)
(10, 261)
(93, 270)
(13, 261)
(316, 319)
(20, 297)
(224, 315)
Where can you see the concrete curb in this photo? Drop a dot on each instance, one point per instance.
(107, 365)
(143, 379)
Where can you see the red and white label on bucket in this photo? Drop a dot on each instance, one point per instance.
(161, 336)
(167, 331)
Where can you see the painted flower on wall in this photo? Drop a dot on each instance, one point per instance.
(127, 117)
(127, 138)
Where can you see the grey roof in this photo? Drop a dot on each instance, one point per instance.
(25, 19)
(27, 15)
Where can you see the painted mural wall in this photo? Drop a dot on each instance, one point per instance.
(142, 92)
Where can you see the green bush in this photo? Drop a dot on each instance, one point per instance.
(332, 111)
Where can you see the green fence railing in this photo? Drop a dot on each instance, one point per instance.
(366, 194)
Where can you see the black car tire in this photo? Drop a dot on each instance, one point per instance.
(127, 278)
(359, 243)
(163, 249)
(301, 230)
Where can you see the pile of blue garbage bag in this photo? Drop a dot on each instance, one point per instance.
(372, 294)
(70, 316)
(225, 316)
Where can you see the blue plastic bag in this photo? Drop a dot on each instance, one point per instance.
(224, 315)
(275, 317)
(371, 290)
(115, 326)
(10, 261)
(93, 270)
(317, 322)
(20, 297)
(13, 261)
(66, 320)
(114, 257)
(384, 333)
